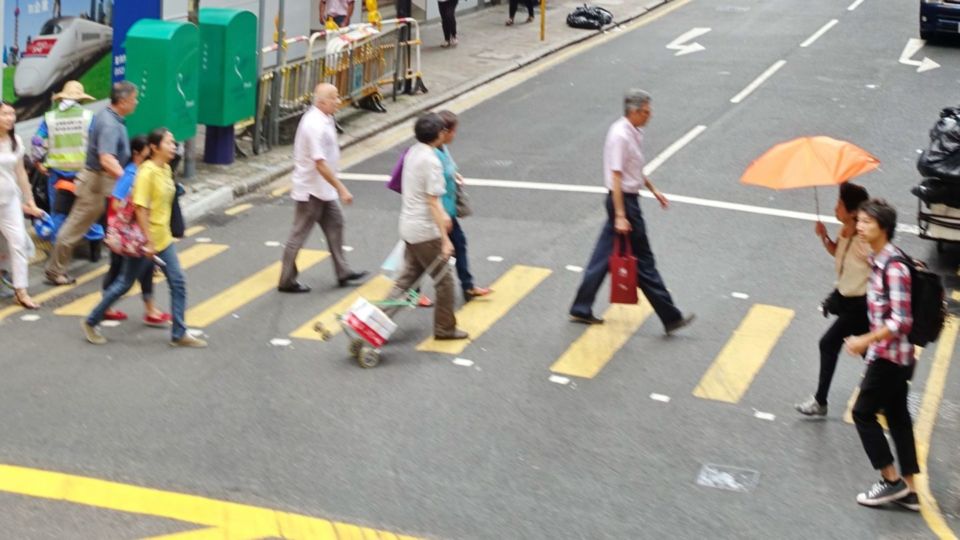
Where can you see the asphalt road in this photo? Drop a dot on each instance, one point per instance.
(425, 447)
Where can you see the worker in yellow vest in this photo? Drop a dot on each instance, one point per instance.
(60, 144)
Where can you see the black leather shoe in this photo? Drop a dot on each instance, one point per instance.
(295, 288)
(456, 334)
(585, 319)
(352, 276)
(684, 321)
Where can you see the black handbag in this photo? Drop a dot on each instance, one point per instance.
(177, 224)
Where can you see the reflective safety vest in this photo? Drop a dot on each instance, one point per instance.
(67, 138)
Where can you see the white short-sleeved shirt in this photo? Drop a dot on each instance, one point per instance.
(623, 151)
(316, 140)
(422, 178)
(9, 190)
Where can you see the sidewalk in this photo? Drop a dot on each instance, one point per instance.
(487, 50)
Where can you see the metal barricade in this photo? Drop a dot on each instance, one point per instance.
(358, 60)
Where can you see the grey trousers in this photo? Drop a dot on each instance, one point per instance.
(417, 258)
(93, 188)
(329, 216)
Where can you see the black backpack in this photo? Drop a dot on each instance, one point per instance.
(928, 304)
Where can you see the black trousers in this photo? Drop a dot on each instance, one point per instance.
(885, 387)
(448, 18)
(514, 4)
(851, 321)
(649, 280)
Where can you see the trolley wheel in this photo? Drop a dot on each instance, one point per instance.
(355, 347)
(325, 334)
(368, 357)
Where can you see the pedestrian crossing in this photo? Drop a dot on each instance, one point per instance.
(727, 379)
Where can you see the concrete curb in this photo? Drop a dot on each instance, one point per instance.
(194, 209)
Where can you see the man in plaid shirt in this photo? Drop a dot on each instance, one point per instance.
(890, 360)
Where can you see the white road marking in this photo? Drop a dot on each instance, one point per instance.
(660, 397)
(576, 269)
(682, 47)
(677, 145)
(493, 258)
(816, 35)
(559, 380)
(202, 240)
(740, 295)
(348, 249)
(30, 318)
(758, 81)
(578, 188)
(272, 243)
(855, 5)
(110, 324)
(765, 416)
(913, 47)
(280, 342)
(463, 362)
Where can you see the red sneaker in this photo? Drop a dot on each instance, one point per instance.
(158, 321)
(114, 315)
(424, 302)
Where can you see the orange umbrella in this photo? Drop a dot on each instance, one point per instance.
(809, 162)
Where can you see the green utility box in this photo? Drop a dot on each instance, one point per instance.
(163, 60)
(228, 66)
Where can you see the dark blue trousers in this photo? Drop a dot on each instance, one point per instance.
(459, 241)
(650, 282)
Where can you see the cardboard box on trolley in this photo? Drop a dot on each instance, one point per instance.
(369, 322)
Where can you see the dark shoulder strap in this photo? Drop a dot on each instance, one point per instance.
(899, 257)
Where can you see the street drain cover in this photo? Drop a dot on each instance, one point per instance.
(728, 478)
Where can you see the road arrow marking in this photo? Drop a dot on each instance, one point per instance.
(681, 48)
(913, 47)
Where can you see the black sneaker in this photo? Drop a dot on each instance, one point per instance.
(883, 492)
(910, 501)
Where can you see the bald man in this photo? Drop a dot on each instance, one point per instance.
(317, 190)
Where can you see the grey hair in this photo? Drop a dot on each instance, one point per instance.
(121, 91)
(634, 99)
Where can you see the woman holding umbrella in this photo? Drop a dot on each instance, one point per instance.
(848, 300)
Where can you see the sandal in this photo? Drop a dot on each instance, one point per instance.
(61, 279)
(476, 292)
(509, 22)
(23, 299)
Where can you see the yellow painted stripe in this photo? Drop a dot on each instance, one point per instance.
(375, 289)
(280, 191)
(54, 292)
(230, 520)
(929, 409)
(189, 258)
(600, 342)
(238, 209)
(478, 315)
(211, 533)
(215, 308)
(744, 354)
(193, 230)
(955, 295)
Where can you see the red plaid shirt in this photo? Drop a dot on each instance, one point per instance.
(891, 309)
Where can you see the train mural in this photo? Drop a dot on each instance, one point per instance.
(48, 42)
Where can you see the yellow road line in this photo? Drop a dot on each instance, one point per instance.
(955, 295)
(280, 191)
(478, 315)
(251, 288)
(193, 230)
(744, 354)
(929, 409)
(375, 289)
(232, 520)
(211, 533)
(189, 258)
(238, 209)
(57, 291)
(591, 351)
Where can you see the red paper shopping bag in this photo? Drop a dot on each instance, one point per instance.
(623, 273)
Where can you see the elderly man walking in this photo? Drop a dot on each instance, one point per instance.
(108, 151)
(623, 176)
(317, 190)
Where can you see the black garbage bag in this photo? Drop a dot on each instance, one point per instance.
(942, 158)
(589, 17)
(937, 191)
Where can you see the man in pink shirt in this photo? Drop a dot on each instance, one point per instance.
(623, 175)
(317, 190)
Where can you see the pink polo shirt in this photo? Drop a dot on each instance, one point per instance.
(623, 152)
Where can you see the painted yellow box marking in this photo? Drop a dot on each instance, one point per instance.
(588, 355)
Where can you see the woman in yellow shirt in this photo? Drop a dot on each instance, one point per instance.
(153, 191)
